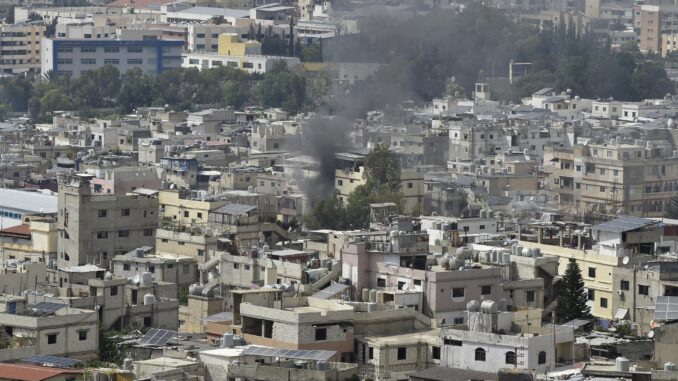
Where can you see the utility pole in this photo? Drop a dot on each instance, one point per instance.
(555, 351)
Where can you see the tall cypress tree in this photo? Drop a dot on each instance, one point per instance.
(290, 47)
(572, 296)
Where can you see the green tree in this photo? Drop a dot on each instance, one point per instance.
(649, 80)
(235, 93)
(672, 207)
(572, 296)
(382, 168)
(453, 89)
(327, 214)
(108, 350)
(4, 111)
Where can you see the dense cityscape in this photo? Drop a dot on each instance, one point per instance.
(340, 190)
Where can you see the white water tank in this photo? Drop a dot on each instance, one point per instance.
(489, 307)
(536, 252)
(623, 364)
(149, 299)
(373, 296)
(366, 294)
(195, 289)
(227, 340)
(526, 252)
(371, 307)
(146, 278)
(128, 363)
(488, 256)
(473, 306)
(670, 367)
(506, 258)
(519, 250)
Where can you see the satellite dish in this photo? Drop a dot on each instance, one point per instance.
(625, 260)
(650, 334)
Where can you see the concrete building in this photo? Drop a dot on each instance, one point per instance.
(638, 179)
(16, 205)
(75, 56)
(21, 47)
(64, 332)
(249, 63)
(656, 21)
(94, 228)
(168, 268)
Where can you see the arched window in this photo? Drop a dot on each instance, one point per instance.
(542, 358)
(480, 354)
(511, 358)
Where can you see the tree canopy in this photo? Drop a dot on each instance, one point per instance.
(572, 296)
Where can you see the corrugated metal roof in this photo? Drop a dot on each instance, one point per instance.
(624, 224)
(30, 202)
(235, 209)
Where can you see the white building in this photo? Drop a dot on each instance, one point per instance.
(251, 64)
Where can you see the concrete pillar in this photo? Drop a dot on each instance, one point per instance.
(539, 232)
(520, 238)
(560, 233)
(579, 243)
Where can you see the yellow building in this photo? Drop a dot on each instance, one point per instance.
(183, 209)
(597, 269)
(230, 44)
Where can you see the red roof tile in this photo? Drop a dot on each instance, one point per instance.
(18, 230)
(23, 372)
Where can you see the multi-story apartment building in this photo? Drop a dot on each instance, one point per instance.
(656, 21)
(93, 228)
(20, 51)
(606, 177)
(76, 56)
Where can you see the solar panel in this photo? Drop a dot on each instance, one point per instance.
(59, 362)
(317, 355)
(48, 306)
(157, 337)
(666, 308)
(330, 291)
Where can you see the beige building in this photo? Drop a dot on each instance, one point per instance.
(609, 177)
(94, 228)
(21, 47)
(655, 22)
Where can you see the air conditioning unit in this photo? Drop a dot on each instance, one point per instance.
(620, 292)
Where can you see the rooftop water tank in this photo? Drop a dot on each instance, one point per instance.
(623, 364)
(670, 367)
(227, 340)
(489, 307)
(146, 279)
(473, 306)
(195, 289)
(506, 258)
(149, 299)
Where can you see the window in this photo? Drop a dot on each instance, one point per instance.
(410, 185)
(454, 343)
(592, 272)
(102, 235)
(101, 213)
(199, 215)
(147, 321)
(402, 353)
(485, 290)
(186, 213)
(381, 282)
(111, 61)
(148, 232)
(458, 292)
(529, 295)
(624, 285)
(603, 302)
(541, 358)
(82, 335)
(52, 338)
(124, 212)
(591, 294)
(135, 49)
(88, 61)
(135, 61)
(236, 265)
(112, 49)
(247, 65)
(114, 290)
(151, 269)
(510, 357)
(643, 290)
(64, 50)
(340, 182)
(320, 334)
(482, 227)
(458, 320)
(435, 353)
(123, 233)
(88, 49)
(480, 354)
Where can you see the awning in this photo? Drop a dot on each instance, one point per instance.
(622, 313)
